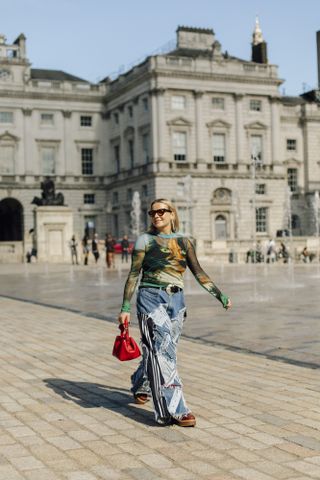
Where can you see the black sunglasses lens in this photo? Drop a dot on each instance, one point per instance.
(160, 212)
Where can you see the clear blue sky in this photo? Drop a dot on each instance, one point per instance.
(93, 38)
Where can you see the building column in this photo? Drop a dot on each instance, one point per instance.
(275, 129)
(161, 124)
(31, 165)
(198, 116)
(67, 165)
(154, 145)
(239, 127)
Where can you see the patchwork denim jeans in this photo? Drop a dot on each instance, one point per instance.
(161, 317)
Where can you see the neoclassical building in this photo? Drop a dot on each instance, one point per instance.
(196, 125)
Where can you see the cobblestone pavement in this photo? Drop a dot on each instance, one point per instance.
(66, 412)
(275, 310)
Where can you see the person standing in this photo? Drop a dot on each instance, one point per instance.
(85, 248)
(124, 249)
(74, 250)
(109, 246)
(162, 254)
(95, 247)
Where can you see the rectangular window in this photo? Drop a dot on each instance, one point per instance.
(7, 159)
(89, 199)
(129, 194)
(145, 148)
(219, 147)
(218, 103)
(144, 190)
(131, 153)
(183, 219)
(130, 111)
(6, 117)
(116, 118)
(261, 220)
(179, 146)
(117, 157)
(256, 149)
(292, 175)
(255, 105)
(291, 145)
(85, 121)
(47, 119)
(115, 198)
(145, 104)
(87, 161)
(48, 160)
(178, 102)
(260, 188)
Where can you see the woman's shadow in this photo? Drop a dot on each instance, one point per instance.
(92, 395)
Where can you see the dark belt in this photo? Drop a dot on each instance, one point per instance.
(169, 288)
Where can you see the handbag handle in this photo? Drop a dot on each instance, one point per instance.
(124, 327)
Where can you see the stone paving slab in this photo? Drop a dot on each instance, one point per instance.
(67, 413)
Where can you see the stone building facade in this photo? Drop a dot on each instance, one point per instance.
(198, 126)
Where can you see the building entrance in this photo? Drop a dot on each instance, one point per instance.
(11, 220)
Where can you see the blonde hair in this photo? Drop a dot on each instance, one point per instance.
(174, 223)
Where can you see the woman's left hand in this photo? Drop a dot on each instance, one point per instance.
(229, 304)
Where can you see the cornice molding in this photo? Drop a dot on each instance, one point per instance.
(7, 136)
(179, 122)
(255, 126)
(218, 123)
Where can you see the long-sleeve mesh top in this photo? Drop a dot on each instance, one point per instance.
(163, 259)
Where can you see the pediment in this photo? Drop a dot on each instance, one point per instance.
(256, 126)
(129, 131)
(8, 137)
(218, 123)
(292, 161)
(179, 122)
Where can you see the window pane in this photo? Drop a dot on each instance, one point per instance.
(291, 144)
(131, 153)
(86, 121)
(293, 179)
(256, 149)
(145, 148)
(178, 102)
(260, 189)
(219, 147)
(117, 157)
(261, 220)
(180, 146)
(89, 198)
(46, 118)
(87, 161)
(48, 160)
(6, 117)
(7, 159)
(255, 105)
(218, 103)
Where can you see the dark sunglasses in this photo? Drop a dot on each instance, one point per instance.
(160, 212)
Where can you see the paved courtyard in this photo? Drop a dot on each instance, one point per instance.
(67, 414)
(275, 307)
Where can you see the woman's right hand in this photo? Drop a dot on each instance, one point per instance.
(124, 317)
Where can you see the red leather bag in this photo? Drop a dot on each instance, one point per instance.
(125, 347)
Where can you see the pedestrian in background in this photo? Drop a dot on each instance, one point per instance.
(95, 247)
(109, 247)
(124, 249)
(162, 254)
(73, 244)
(85, 248)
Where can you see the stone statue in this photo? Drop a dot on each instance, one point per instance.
(48, 195)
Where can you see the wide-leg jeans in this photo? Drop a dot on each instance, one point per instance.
(161, 316)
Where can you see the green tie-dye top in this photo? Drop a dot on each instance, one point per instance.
(163, 259)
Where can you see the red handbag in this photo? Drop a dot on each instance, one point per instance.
(125, 347)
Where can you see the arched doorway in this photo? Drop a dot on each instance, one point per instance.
(220, 224)
(11, 220)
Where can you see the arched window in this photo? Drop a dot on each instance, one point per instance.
(11, 220)
(220, 224)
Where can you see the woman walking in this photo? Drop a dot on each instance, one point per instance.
(162, 254)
